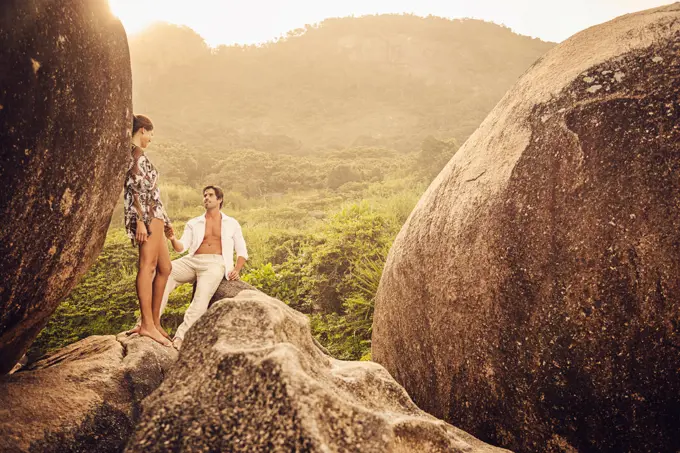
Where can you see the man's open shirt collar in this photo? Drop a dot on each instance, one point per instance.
(201, 218)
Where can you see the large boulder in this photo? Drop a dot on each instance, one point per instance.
(85, 397)
(531, 296)
(66, 113)
(229, 288)
(251, 379)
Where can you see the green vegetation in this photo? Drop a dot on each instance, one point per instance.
(323, 141)
(320, 251)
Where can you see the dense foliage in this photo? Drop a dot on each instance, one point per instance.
(327, 267)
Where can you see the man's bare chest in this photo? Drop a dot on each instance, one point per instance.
(213, 230)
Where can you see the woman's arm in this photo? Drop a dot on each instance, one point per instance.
(135, 182)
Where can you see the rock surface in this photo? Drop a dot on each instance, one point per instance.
(251, 379)
(65, 111)
(531, 297)
(85, 397)
(229, 288)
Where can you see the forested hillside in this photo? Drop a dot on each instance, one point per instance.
(386, 80)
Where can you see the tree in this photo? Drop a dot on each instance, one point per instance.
(342, 174)
(434, 155)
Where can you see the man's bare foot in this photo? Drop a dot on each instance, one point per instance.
(177, 343)
(154, 335)
(135, 329)
(162, 331)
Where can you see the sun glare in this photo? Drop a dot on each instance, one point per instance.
(225, 22)
(137, 14)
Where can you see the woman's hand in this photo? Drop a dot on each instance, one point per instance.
(234, 274)
(142, 233)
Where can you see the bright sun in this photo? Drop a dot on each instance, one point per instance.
(138, 14)
(219, 21)
(210, 18)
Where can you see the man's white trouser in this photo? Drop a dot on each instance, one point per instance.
(207, 271)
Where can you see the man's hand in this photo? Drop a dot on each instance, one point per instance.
(169, 232)
(234, 274)
(142, 234)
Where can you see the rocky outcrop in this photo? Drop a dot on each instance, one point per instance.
(250, 378)
(229, 288)
(531, 297)
(85, 397)
(65, 111)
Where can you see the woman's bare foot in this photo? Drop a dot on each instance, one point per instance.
(162, 331)
(154, 335)
(177, 343)
(135, 329)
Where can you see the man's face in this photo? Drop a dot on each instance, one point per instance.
(210, 200)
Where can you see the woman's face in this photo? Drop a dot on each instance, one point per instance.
(146, 137)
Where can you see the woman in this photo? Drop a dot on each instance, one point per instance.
(145, 223)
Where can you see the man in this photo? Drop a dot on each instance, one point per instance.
(211, 239)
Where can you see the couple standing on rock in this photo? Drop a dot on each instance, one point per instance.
(210, 239)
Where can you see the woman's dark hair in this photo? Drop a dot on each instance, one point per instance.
(141, 121)
(219, 193)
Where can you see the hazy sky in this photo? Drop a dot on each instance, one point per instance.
(253, 21)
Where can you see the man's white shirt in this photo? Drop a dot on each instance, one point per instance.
(232, 239)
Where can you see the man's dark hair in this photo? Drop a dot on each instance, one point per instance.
(218, 192)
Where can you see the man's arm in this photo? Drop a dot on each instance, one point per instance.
(241, 253)
(184, 243)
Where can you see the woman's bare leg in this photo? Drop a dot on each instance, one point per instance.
(163, 269)
(148, 261)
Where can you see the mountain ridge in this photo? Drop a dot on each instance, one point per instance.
(385, 80)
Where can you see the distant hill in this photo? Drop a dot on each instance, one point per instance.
(387, 80)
